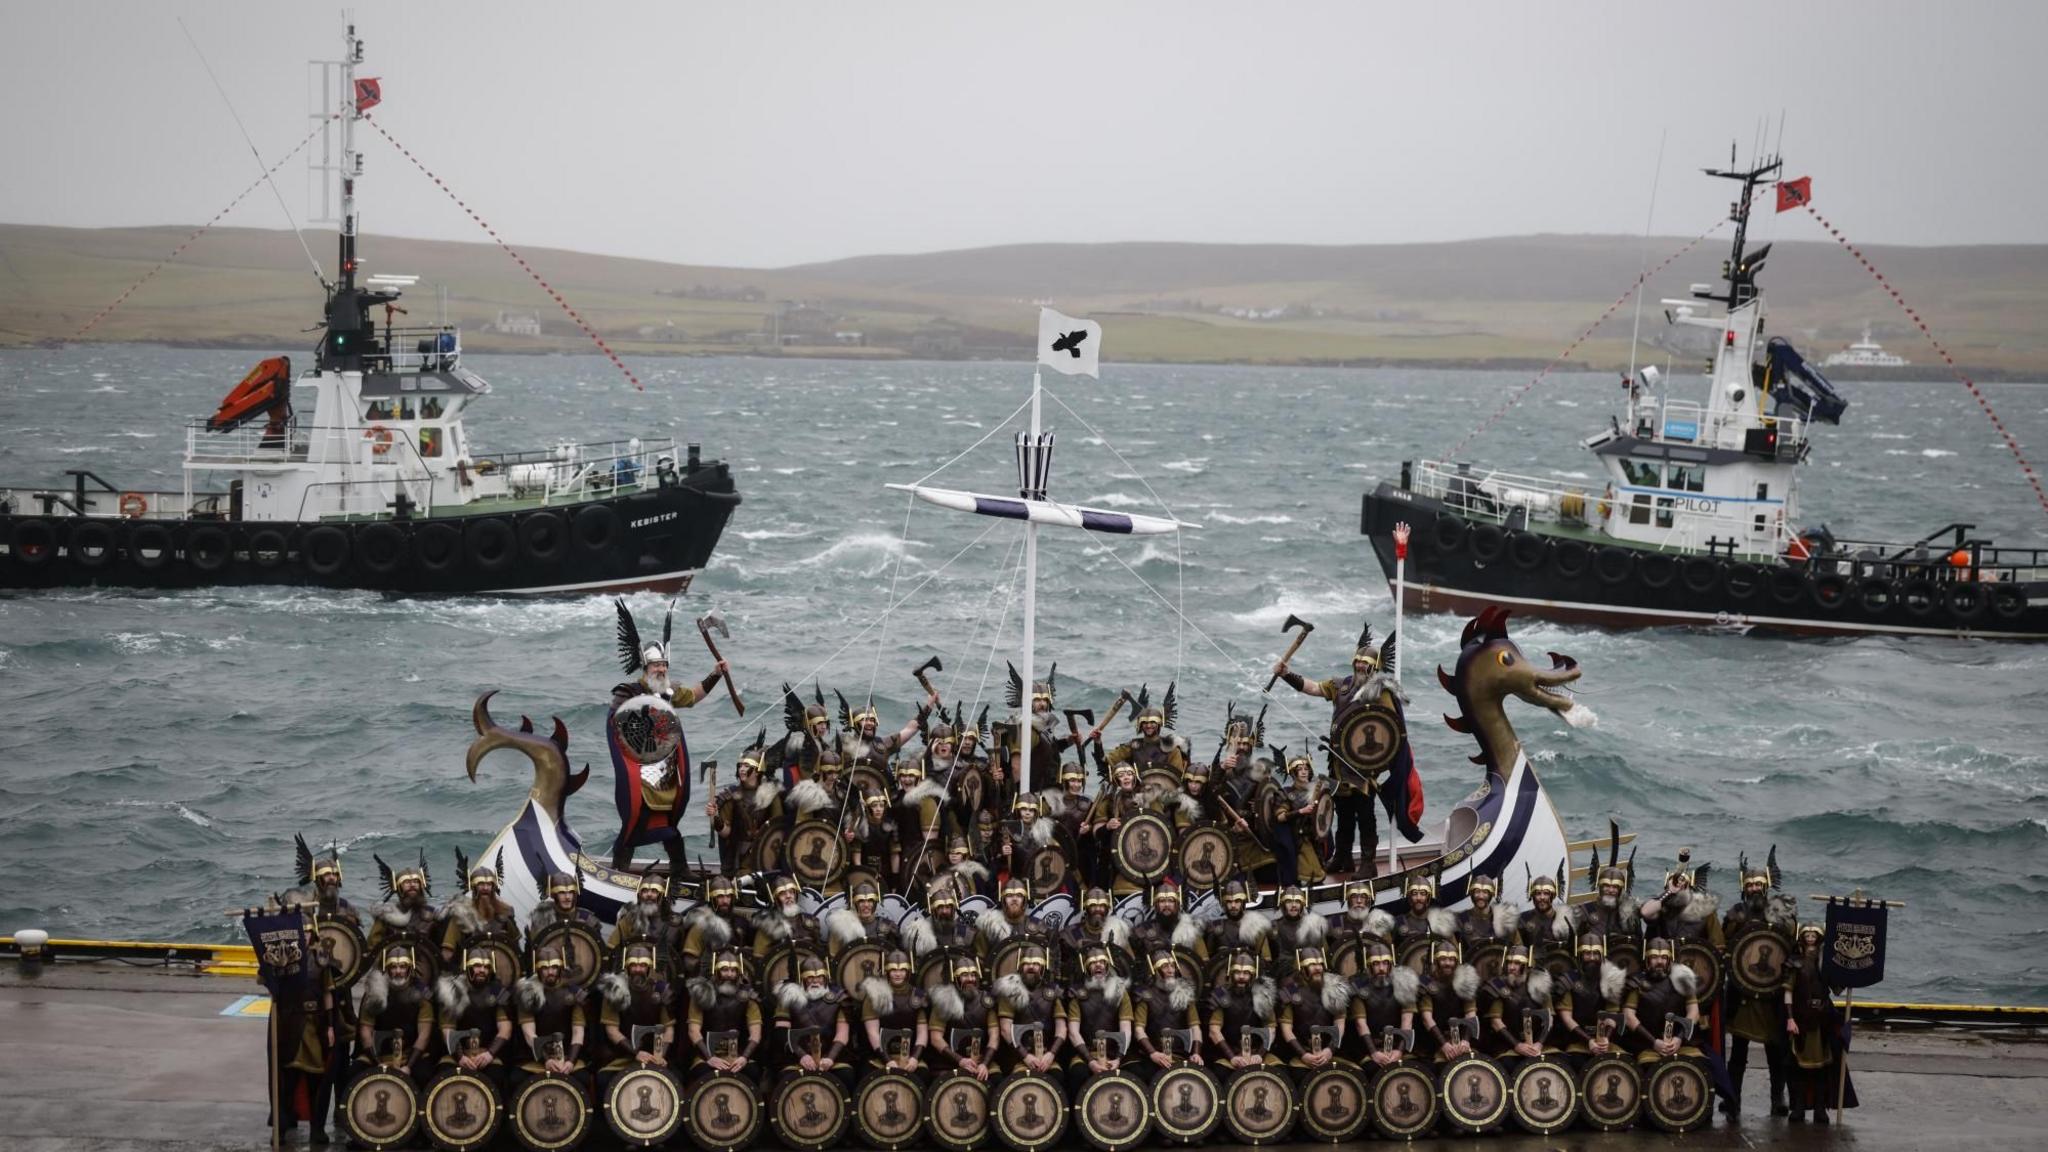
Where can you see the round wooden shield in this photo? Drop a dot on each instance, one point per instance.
(1414, 955)
(1266, 805)
(647, 728)
(1677, 1097)
(504, 958)
(581, 947)
(1050, 866)
(1030, 1112)
(1474, 1094)
(1545, 1097)
(1347, 959)
(888, 1109)
(815, 853)
(1326, 814)
(778, 968)
(548, 1115)
(1206, 857)
(1610, 1094)
(1007, 957)
(722, 1114)
(1144, 848)
(970, 788)
(1113, 1112)
(381, 1110)
(644, 1106)
(864, 778)
(346, 951)
(1258, 1106)
(1153, 780)
(1333, 1104)
(1705, 963)
(1486, 959)
(856, 964)
(767, 851)
(1186, 1104)
(810, 1113)
(426, 958)
(1626, 955)
(1367, 739)
(461, 1112)
(1403, 1102)
(1560, 966)
(934, 970)
(1757, 961)
(956, 1113)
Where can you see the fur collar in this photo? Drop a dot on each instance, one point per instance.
(1310, 930)
(765, 794)
(1111, 986)
(925, 790)
(808, 796)
(1504, 917)
(1613, 981)
(770, 922)
(451, 994)
(706, 922)
(791, 995)
(1173, 799)
(993, 926)
(544, 915)
(1263, 992)
(1406, 985)
(1117, 931)
(1442, 923)
(1379, 922)
(1539, 986)
(1012, 991)
(879, 997)
(616, 990)
(1187, 931)
(1465, 982)
(1701, 906)
(463, 912)
(1685, 980)
(530, 993)
(843, 926)
(399, 918)
(1335, 994)
(376, 993)
(703, 993)
(1040, 832)
(918, 938)
(1179, 993)
(947, 1004)
(970, 874)
(1252, 927)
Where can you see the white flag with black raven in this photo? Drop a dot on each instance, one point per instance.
(1068, 346)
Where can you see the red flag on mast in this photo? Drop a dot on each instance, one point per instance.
(1795, 193)
(370, 93)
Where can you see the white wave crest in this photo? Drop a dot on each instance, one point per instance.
(1932, 453)
(1340, 604)
(1227, 518)
(1194, 467)
(1119, 500)
(183, 812)
(772, 534)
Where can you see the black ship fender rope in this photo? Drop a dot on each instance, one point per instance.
(1528, 550)
(1919, 598)
(1615, 565)
(149, 546)
(542, 536)
(1570, 558)
(91, 544)
(1876, 595)
(208, 547)
(1487, 541)
(1700, 573)
(1656, 570)
(33, 543)
(438, 547)
(1742, 581)
(596, 529)
(2009, 602)
(490, 544)
(1448, 532)
(381, 548)
(1829, 590)
(1966, 601)
(268, 547)
(1788, 585)
(325, 550)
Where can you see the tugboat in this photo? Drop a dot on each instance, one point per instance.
(1697, 523)
(382, 489)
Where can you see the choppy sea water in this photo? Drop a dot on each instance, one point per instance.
(157, 752)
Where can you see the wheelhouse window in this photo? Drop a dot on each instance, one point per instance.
(430, 442)
(1642, 473)
(1688, 477)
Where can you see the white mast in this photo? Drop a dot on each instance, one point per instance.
(1031, 469)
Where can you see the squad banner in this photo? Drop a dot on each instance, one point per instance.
(284, 951)
(1852, 955)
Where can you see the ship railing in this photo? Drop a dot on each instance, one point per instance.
(1672, 421)
(1960, 557)
(580, 471)
(251, 443)
(436, 348)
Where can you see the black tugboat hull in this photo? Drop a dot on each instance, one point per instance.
(655, 539)
(1454, 566)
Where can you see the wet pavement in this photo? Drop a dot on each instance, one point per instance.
(104, 1058)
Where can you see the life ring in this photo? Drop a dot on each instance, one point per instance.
(1966, 601)
(1527, 550)
(325, 550)
(542, 537)
(91, 544)
(2009, 602)
(1829, 591)
(438, 547)
(33, 542)
(1569, 559)
(1449, 533)
(381, 548)
(1919, 597)
(1876, 596)
(1656, 569)
(491, 544)
(1700, 573)
(1742, 581)
(380, 439)
(134, 505)
(1487, 541)
(596, 528)
(208, 547)
(268, 548)
(149, 545)
(1615, 565)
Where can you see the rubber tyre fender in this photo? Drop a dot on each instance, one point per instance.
(1743, 581)
(381, 548)
(39, 536)
(1528, 550)
(437, 547)
(1788, 585)
(1448, 532)
(325, 549)
(1829, 591)
(92, 534)
(1876, 596)
(1919, 597)
(1700, 573)
(1615, 565)
(491, 544)
(209, 547)
(1486, 542)
(1966, 602)
(2008, 602)
(543, 538)
(1656, 570)
(596, 529)
(144, 539)
(1570, 559)
(268, 548)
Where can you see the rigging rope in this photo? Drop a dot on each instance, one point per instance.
(203, 229)
(902, 549)
(1977, 394)
(971, 447)
(510, 251)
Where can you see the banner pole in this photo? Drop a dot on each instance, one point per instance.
(1842, 1074)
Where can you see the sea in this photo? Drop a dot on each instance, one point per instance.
(159, 751)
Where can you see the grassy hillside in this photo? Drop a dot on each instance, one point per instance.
(1508, 300)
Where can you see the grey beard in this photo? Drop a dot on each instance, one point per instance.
(657, 685)
(818, 993)
(1607, 901)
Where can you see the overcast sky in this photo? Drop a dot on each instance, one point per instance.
(766, 134)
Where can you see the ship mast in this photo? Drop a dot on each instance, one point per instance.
(1740, 271)
(351, 163)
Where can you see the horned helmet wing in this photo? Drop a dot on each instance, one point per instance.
(1388, 648)
(426, 877)
(629, 637)
(1014, 695)
(1169, 708)
(304, 858)
(1771, 866)
(845, 713)
(1699, 876)
(981, 725)
(1259, 728)
(668, 623)
(384, 884)
(1364, 635)
(499, 867)
(1052, 683)
(792, 708)
(461, 871)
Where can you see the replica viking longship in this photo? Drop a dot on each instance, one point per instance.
(383, 487)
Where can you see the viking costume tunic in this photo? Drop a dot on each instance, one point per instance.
(1119, 804)
(630, 1004)
(939, 935)
(405, 1009)
(1232, 1009)
(1100, 1004)
(824, 1008)
(485, 1009)
(1290, 935)
(1305, 1007)
(1019, 1006)
(556, 1011)
(1179, 932)
(1156, 1008)
(1347, 928)
(1816, 1052)
(995, 928)
(892, 1009)
(1684, 918)
(1109, 932)
(1544, 933)
(846, 927)
(1379, 1004)
(547, 916)
(706, 929)
(774, 928)
(1410, 926)
(1509, 1006)
(396, 924)
(1247, 931)
(1444, 1000)
(1478, 928)
(1354, 791)
(464, 925)
(742, 813)
(1652, 998)
(1754, 1017)
(1591, 993)
(1621, 921)
(918, 820)
(636, 924)
(955, 1009)
(722, 1008)
(877, 846)
(670, 792)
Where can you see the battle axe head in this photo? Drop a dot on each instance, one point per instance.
(1294, 622)
(713, 622)
(931, 665)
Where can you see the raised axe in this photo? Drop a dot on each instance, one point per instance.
(1300, 636)
(705, 624)
(931, 665)
(1074, 730)
(707, 775)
